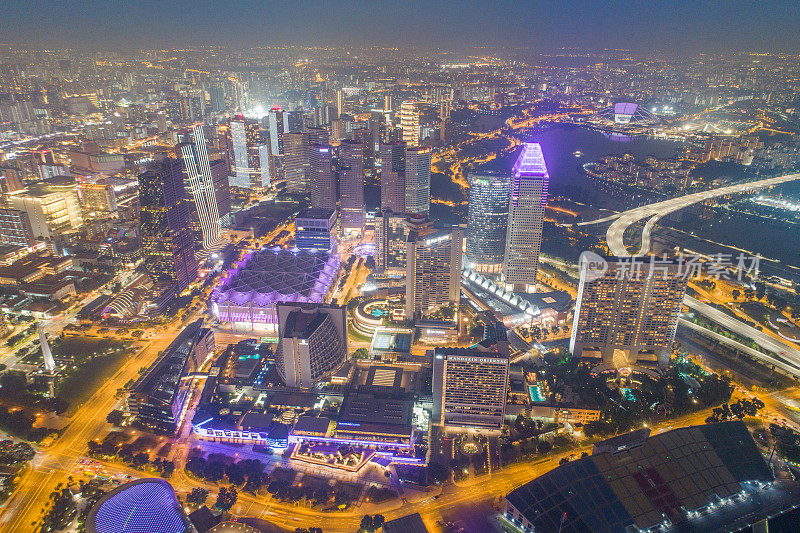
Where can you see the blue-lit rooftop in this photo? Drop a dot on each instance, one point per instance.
(144, 506)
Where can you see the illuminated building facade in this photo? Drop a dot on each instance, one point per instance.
(527, 203)
(409, 122)
(247, 156)
(167, 241)
(53, 206)
(391, 233)
(433, 270)
(487, 219)
(351, 186)
(418, 181)
(312, 342)
(158, 397)
(316, 229)
(15, 228)
(98, 197)
(201, 186)
(248, 292)
(469, 388)
(626, 316)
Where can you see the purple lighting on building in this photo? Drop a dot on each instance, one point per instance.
(530, 165)
(249, 290)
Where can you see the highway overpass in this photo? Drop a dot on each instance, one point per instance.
(782, 351)
(654, 212)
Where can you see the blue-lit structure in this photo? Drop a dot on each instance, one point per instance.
(142, 506)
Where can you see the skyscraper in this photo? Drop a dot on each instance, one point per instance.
(391, 233)
(393, 179)
(525, 219)
(296, 161)
(627, 314)
(167, 241)
(201, 184)
(322, 184)
(433, 270)
(469, 388)
(351, 185)
(409, 122)
(313, 342)
(243, 144)
(487, 219)
(418, 181)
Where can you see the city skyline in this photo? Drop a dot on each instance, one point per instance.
(671, 26)
(434, 267)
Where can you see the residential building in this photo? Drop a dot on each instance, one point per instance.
(627, 311)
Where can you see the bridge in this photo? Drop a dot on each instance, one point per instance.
(654, 212)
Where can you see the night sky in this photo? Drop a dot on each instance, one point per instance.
(645, 25)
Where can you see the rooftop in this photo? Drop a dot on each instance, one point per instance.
(632, 480)
(266, 276)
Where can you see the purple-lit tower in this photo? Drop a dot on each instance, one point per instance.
(525, 219)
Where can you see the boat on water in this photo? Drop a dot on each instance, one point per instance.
(577, 153)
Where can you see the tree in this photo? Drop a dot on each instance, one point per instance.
(226, 498)
(115, 417)
(361, 353)
(198, 496)
(735, 293)
(377, 521)
(366, 523)
(543, 446)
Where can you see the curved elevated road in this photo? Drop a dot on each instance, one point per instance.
(655, 211)
(787, 355)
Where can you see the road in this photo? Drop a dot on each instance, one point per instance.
(654, 212)
(25, 505)
(766, 341)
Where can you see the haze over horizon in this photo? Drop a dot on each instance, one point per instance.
(676, 27)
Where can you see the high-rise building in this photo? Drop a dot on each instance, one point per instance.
(377, 125)
(200, 183)
(15, 228)
(351, 186)
(167, 242)
(469, 388)
(409, 122)
(418, 181)
(243, 150)
(433, 270)
(487, 219)
(391, 233)
(316, 229)
(53, 206)
(322, 182)
(296, 161)
(313, 342)
(626, 312)
(525, 219)
(393, 177)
